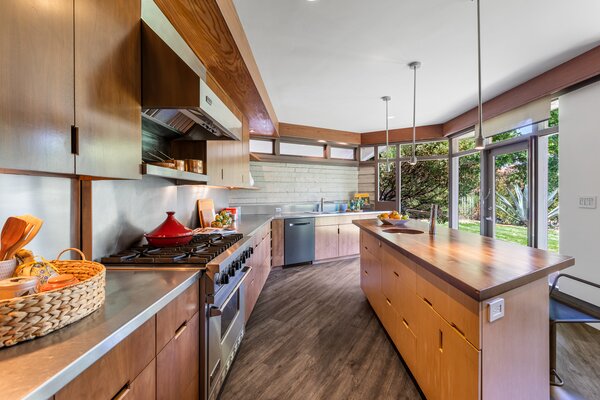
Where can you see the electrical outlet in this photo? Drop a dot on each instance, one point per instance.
(495, 309)
(588, 201)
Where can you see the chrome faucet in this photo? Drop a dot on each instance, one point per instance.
(433, 219)
(322, 204)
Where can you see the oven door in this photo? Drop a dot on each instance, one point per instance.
(225, 333)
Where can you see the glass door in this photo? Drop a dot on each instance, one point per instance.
(507, 201)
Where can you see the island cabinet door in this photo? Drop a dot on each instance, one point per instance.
(460, 366)
(406, 342)
(349, 240)
(178, 364)
(430, 347)
(108, 88)
(36, 85)
(326, 242)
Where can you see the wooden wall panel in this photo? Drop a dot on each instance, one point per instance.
(403, 135)
(572, 72)
(314, 133)
(203, 26)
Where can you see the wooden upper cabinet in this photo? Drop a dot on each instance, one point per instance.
(108, 88)
(36, 81)
(214, 163)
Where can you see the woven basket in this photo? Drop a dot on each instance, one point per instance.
(29, 317)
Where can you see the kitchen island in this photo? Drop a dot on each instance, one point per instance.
(468, 314)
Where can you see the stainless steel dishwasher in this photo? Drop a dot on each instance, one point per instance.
(299, 240)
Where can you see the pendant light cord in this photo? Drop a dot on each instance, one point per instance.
(480, 101)
(414, 138)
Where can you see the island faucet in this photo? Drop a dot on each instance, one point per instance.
(322, 204)
(433, 219)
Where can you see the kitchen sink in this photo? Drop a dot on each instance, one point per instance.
(407, 231)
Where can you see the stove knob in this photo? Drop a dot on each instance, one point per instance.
(243, 258)
(251, 249)
(232, 271)
(224, 279)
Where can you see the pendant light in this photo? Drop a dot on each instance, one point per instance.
(387, 99)
(479, 141)
(414, 65)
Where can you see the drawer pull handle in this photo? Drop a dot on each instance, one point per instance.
(180, 330)
(388, 301)
(405, 323)
(461, 333)
(123, 392)
(441, 340)
(397, 275)
(427, 301)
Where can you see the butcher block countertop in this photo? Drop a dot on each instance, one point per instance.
(479, 266)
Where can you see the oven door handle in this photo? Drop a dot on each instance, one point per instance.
(217, 311)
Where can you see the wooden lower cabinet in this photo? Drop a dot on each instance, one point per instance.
(326, 242)
(144, 386)
(177, 365)
(134, 370)
(260, 261)
(348, 240)
(117, 370)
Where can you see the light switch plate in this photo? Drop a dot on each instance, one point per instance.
(588, 202)
(495, 309)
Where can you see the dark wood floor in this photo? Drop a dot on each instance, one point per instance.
(313, 336)
(578, 359)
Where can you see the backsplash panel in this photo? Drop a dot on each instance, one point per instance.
(48, 198)
(124, 210)
(288, 183)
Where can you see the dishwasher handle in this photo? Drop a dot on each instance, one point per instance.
(299, 223)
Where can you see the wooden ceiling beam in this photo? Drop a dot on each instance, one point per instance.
(314, 133)
(577, 70)
(427, 132)
(207, 31)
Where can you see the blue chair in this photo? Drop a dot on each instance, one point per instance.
(566, 309)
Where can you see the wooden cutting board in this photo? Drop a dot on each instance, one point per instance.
(206, 212)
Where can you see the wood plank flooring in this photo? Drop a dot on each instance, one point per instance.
(578, 359)
(313, 336)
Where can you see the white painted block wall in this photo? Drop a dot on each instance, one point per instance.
(580, 176)
(287, 183)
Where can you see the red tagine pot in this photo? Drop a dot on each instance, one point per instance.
(170, 233)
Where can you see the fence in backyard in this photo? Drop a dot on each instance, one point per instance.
(468, 207)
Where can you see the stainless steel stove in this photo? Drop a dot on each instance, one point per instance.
(222, 259)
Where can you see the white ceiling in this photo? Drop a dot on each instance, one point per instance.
(326, 63)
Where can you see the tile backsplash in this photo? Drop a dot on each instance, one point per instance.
(285, 183)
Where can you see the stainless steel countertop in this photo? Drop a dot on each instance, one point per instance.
(39, 368)
(320, 215)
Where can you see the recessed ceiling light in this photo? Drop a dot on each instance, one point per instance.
(391, 117)
(321, 141)
(343, 143)
(252, 131)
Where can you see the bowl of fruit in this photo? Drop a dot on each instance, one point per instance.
(222, 220)
(393, 218)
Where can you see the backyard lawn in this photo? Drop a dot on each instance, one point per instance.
(511, 233)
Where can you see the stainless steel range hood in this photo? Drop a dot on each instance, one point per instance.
(175, 97)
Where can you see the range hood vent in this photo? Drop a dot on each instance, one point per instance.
(175, 96)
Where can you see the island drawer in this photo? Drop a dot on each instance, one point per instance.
(117, 370)
(399, 282)
(458, 309)
(176, 314)
(370, 243)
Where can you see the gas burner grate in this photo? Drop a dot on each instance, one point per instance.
(200, 250)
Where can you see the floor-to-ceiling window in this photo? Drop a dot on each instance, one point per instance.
(508, 191)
